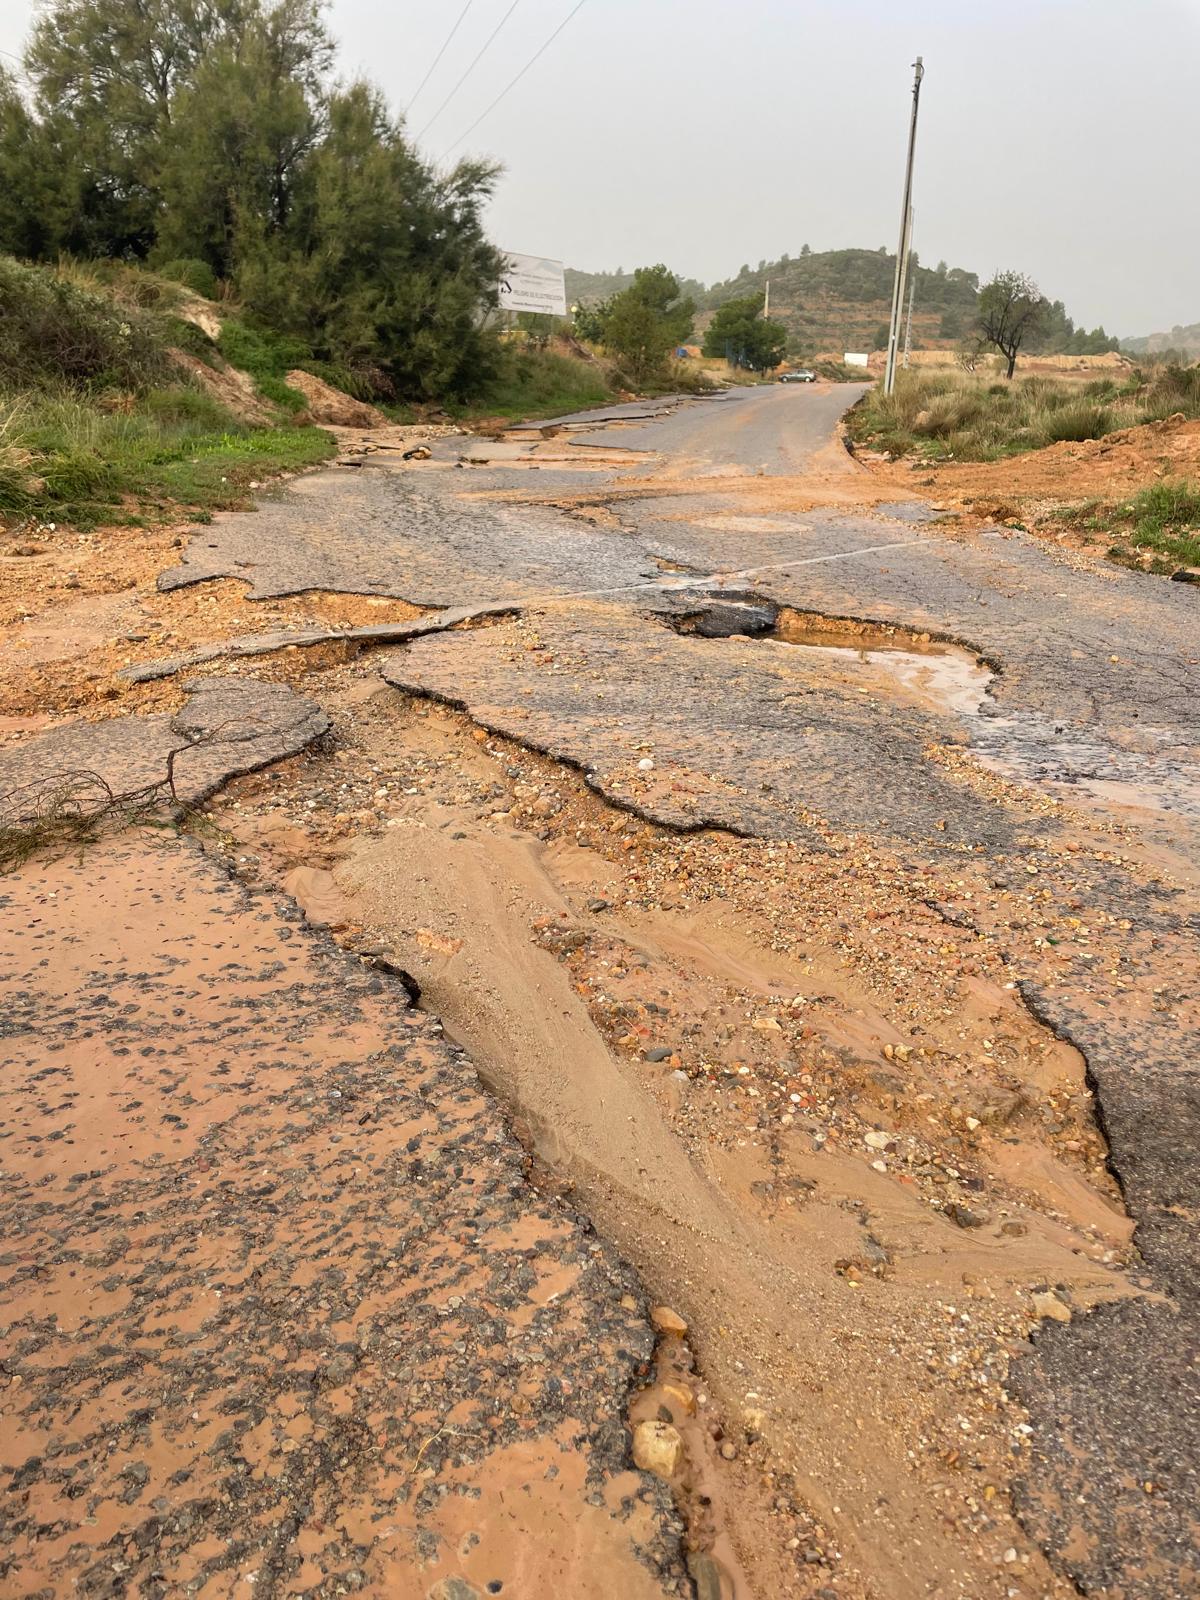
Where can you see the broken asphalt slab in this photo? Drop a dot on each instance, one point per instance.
(741, 735)
(383, 533)
(1053, 627)
(625, 411)
(228, 727)
(258, 644)
(279, 1306)
(1097, 670)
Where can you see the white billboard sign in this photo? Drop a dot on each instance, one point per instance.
(855, 358)
(531, 283)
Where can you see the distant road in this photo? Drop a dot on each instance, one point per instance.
(778, 428)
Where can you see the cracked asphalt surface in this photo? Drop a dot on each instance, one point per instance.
(1097, 676)
(1094, 691)
(280, 1306)
(227, 727)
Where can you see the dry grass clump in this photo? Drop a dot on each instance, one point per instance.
(956, 415)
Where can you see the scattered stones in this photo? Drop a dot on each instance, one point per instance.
(658, 1448)
(1048, 1304)
(664, 1320)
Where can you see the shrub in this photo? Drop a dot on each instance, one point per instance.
(52, 331)
(530, 382)
(1077, 420)
(968, 417)
(260, 351)
(195, 275)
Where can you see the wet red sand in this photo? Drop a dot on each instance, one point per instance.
(279, 1311)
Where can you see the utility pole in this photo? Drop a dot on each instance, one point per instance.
(898, 285)
(767, 301)
(912, 295)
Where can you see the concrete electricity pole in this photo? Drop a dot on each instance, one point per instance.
(912, 295)
(898, 285)
(767, 300)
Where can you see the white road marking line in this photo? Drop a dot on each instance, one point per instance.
(698, 580)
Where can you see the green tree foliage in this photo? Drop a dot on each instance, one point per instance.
(208, 132)
(837, 300)
(1011, 310)
(744, 337)
(643, 323)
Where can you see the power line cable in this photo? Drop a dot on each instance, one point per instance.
(517, 79)
(445, 46)
(470, 69)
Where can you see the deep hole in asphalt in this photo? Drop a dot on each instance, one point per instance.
(938, 673)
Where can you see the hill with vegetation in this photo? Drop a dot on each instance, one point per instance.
(1180, 343)
(590, 288)
(833, 300)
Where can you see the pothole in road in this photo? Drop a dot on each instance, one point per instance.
(1118, 771)
(937, 674)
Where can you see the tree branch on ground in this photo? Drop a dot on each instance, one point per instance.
(69, 807)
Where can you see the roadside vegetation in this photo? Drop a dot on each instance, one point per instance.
(538, 380)
(216, 142)
(969, 417)
(640, 326)
(744, 337)
(99, 423)
(1158, 528)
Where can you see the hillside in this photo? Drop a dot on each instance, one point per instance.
(1182, 339)
(840, 300)
(586, 288)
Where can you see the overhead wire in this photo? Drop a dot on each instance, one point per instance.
(513, 83)
(445, 46)
(482, 52)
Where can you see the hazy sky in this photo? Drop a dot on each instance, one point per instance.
(1057, 136)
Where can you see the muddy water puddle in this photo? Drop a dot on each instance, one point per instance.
(700, 1069)
(938, 677)
(1113, 774)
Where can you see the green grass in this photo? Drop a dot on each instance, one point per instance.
(266, 356)
(1158, 527)
(535, 383)
(64, 457)
(96, 423)
(959, 416)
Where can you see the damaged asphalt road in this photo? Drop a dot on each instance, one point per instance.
(742, 736)
(990, 681)
(1096, 678)
(281, 1309)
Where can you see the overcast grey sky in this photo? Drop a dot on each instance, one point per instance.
(1057, 136)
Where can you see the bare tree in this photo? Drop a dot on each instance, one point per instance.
(1011, 308)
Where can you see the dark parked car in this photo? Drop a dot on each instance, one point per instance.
(803, 375)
